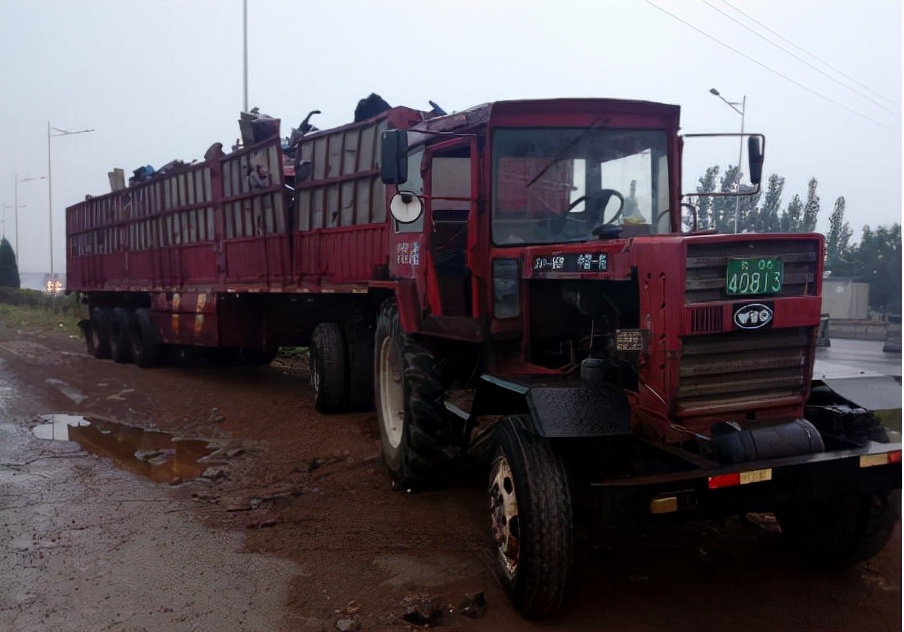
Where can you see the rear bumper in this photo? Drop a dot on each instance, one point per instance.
(751, 487)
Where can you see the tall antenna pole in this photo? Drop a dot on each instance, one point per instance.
(245, 48)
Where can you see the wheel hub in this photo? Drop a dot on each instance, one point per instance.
(506, 524)
(392, 394)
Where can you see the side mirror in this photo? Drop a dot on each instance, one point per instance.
(755, 158)
(406, 207)
(394, 157)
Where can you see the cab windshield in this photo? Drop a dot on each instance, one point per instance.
(554, 185)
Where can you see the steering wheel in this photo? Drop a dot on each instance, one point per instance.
(596, 204)
(600, 199)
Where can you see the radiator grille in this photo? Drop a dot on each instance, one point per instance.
(733, 371)
(706, 263)
(706, 319)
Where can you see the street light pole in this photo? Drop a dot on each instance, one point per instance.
(3, 222)
(732, 105)
(15, 208)
(60, 132)
(18, 207)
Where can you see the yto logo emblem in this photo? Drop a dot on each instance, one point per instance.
(753, 315)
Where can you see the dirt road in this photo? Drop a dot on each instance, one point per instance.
(293, 524)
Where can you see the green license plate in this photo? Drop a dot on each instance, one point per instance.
(754, 275)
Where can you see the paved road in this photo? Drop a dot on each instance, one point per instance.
(860, 371)
(846, 358)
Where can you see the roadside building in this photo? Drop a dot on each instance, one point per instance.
(845, 299)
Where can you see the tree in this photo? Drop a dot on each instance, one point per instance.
(748, 209)
(877, 261)
(838, 246)
(791, 220)
(9, 270)
(705, 184)
(811, 208)
(723, 208)
(767, 219)
(718, 213)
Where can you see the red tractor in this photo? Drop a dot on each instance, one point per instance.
(521, 280)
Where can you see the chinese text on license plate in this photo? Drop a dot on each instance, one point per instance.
(754, 275)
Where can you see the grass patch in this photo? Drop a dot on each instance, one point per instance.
(30, 309)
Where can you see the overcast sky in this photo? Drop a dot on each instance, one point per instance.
(159, 80)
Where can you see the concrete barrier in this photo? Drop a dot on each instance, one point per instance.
(858, 329)
(893, 335)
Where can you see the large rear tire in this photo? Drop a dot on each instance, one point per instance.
(144, 340)
(327, 363)
(120, 344)
(531, 519)
(98, 335)
(839, 531)
(416, 437)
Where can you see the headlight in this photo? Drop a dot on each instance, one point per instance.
(506, 288)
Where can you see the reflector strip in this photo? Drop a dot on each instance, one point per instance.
(664, 505)
(870, 460)
(756, 476)
(740, 478)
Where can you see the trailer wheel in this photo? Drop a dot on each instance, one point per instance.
(414, 433)
(120, 346)
(97, 338)
(531, 519)
(144, 341)
(359, 341)
(839, 531)
(327, 358)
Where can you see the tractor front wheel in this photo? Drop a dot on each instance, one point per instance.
(531, 518)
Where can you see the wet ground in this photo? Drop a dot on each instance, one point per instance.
(217, 499)
(85, 545)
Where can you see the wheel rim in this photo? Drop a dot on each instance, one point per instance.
(504, 515)
(392, 395)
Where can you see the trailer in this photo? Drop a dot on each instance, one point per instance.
(520, 284)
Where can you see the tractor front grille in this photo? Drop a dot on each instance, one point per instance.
(741, 370)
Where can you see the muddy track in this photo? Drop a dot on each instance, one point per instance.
(310, 489)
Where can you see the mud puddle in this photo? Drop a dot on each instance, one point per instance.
(155, 455)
